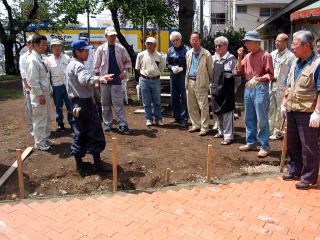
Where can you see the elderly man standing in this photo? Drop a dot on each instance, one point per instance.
(176, 63)
(222, 88)
(112, 58)
(38, 80)
(150, 64)
(26, 87)
(198, 76)
(301, 106)
(258, 70)
(56, 65)
(282, 58)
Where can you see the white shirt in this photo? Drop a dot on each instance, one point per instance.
(23, 64)
(281, 63)
(56, 67)
(89, 63)
(150, 64)
(37, 75)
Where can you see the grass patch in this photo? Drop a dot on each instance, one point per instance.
(9, 77)
(10, 93)
(8, 128)
(8, 137)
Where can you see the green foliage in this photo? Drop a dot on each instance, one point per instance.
(234, 37)
(160, 13)
(10, 93)
(9, 77)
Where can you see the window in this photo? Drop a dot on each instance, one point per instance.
(264, 12)
(241, 9)
(267, 12)
(218, 18)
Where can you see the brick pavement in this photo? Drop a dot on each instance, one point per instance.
(270, 209)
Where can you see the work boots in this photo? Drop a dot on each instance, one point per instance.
(100, 165)
(81, 166)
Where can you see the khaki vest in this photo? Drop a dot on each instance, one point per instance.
(302, 93)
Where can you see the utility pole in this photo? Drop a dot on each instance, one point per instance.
(201, 18)
(88, 20)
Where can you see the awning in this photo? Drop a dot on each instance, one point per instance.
(309, 14)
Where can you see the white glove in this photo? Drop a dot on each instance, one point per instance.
(283, 111)
(252, 83)
(175, 69)
(180, 69)
(315, 119)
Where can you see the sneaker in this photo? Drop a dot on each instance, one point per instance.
(149, 123)
(107, 128)
(184, 124)
(174, 121)
(263, 153)
(49, 142)
(160, 123)
(60, 128)
(305, 186)
(203, 133)
(42, 147)
(275, 137)
(246, 148)
(125, 130)
(290, 177)
(193, 129)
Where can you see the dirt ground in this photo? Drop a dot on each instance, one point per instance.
(142, 157)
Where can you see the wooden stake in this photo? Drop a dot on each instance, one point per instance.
(115, 163)
(284, 150)
(168, 176)
(13, 167)
(209, 164)
(20, 173)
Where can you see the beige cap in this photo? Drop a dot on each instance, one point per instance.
(151, 40)
(55, 42)
(29, 39)
(110, 31)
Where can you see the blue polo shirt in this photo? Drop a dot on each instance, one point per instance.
(193, 70)
(300, 65)
(113, 66)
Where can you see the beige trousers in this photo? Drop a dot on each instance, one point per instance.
(198, 107)
(41, 119)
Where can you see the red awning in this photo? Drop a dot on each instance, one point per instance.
(309, 14)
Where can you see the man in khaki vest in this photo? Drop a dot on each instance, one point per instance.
(301, 106)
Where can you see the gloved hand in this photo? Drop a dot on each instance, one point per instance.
(175, 69)
(252, 83)
(180, 69)
(283, 111)
(315, 119)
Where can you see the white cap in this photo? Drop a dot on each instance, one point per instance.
(151, 40)
(55, 42)
(110, 31)
(29, 39)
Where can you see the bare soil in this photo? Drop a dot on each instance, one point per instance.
(142, 157)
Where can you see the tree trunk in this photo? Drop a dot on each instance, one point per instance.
(123, 41)
(10, 67)
(186, 13)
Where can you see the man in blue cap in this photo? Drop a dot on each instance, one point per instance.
(258, 70)
(88, 133)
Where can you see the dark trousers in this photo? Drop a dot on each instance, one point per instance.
(178, 97)
(88, 133)
(303, 148)
(60, 96)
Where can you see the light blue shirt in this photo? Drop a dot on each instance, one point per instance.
(194, 64)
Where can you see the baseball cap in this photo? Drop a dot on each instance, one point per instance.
(29, 39)
(252, 36)
(55, 42)
(80, 44)
(151, 40)
(110, 31)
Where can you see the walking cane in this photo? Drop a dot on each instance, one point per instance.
(284, 143)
